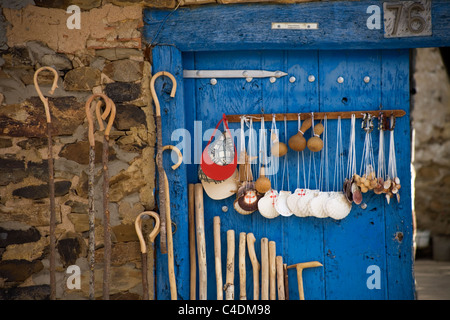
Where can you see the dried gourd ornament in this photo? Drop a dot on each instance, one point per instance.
(298, 142)
(315, 144)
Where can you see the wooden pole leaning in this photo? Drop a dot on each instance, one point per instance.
(51, 178)
(255, 264)
(229, 280)
(100, 117)
(192, 257)
(201, 245)
(169, 234)
(159, 157)
(143, 246)
(218, 257)
(242, 271)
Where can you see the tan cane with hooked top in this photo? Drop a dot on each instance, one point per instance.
(142, 242)
(159, 158)
(51, 179)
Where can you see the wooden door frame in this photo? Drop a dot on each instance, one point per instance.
(245, 27)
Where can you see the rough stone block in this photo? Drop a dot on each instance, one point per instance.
(41, 191)
(19, 270)
(122, 91)
(28, 118)
(82, 79)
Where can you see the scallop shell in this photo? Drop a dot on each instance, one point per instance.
(266, 205)
(239, 209)
(338, 207)
(316, 205)
(292, 200)
(281, 204)
(302, 204)
(249, 200)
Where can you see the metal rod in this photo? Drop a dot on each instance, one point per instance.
(317, 115)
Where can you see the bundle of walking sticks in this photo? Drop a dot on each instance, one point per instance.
(273, 272)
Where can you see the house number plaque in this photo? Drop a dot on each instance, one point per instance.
(407, 19)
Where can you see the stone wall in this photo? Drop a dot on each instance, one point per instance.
(105, 55)
(431, 123)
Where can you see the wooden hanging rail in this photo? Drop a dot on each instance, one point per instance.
(317, 115)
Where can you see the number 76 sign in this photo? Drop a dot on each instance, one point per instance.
(407, 18)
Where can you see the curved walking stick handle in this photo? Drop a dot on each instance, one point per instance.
(178, 152)
(152, 88)
(52, 90)
(138, 227)
(110, 110)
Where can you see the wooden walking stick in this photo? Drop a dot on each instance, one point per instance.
(169, 235)
(286, 282)
(280, 278)
(242, 274)
(264, 269)
(255, 264)
(91, 212)
(159, 158)
(272, 271)
(201, 246)
(151, 237)
(192, 258)
(218, 257)
(111, 112)
(300, 267)
(51, 177)
(229, 280)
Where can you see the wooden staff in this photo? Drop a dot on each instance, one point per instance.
(192, 259)
(91, 177)
(51, 176)
(229, 285)
(300, 267)
(106, 213)
(280, 278)
(170, 256)
(255, 264)
(242, 275)
(272, 271)
(264, 269)
(201, 246)
(218, 257)
(151, 237)
(286, 282)
(159, 157)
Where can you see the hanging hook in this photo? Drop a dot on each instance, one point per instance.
(153, 91)
(52, 90)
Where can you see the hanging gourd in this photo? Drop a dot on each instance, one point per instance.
(298, 142)
(315, 144)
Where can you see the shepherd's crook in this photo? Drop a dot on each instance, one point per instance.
(106, 219)
(91, 180)
(159, 162)
(51, 178)
(170, 258)
(151, 236)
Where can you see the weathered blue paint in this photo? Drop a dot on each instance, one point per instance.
(342, 25)
(380, 235)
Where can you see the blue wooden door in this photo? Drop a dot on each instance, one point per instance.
(371, 244)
